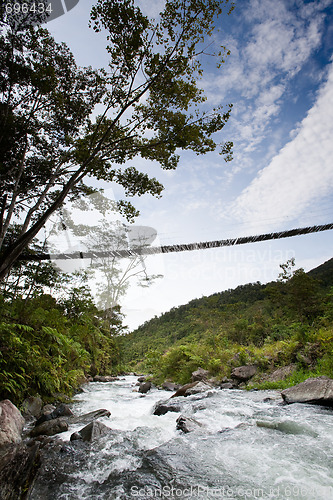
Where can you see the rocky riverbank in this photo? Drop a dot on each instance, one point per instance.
(27, 443)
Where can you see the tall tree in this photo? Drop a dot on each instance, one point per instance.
(152, 107)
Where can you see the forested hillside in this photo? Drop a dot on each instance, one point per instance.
(324, 273)
(52, 335)
(272, 325)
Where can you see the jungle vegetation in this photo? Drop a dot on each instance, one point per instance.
(52, 334)
(285, 322)
(62, 126)
(53, 142)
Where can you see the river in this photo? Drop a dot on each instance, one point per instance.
(244, 445)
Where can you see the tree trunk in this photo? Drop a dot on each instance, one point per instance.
(12, 253)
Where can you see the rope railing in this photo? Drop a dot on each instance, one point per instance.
(184, 247)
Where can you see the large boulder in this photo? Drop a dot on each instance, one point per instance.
(281, 373)
(199, 375)
(32, 407)
(192, 388)
(50, 427)
(163, 407)
(244, 373)
(314, 390)
(62, 410)
(18, 466)
(198, 388)
(88, 417)
(144, 387)
(11, 423)
(91, 432)
(227, 385)
(170, 386)
(182, 390)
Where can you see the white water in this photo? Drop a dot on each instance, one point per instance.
(282, 452)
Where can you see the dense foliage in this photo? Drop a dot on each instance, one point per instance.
(61, 125)
(49, 345)
(284, 322)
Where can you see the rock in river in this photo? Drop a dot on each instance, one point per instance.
(18, 466)
(50, 427)
(11, 423)
(198, 388)
(88, 417)
(187, 424)
(163, 407)
(192, 388)
(170, 386)
(314, 390)
(62, 410)
(144, 387)
(91, 432)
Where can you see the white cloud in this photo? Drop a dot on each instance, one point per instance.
(300, 174)
(281, 38)
(283, 43)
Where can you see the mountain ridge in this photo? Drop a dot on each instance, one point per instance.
(253, 314)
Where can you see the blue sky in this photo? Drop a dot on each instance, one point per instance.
(279, 77)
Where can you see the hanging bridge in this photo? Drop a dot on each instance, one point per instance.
(141, 250)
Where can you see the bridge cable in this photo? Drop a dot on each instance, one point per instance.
(184, 247)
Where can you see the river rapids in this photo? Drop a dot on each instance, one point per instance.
(245, 445)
